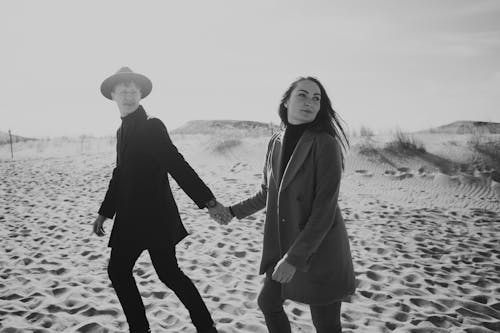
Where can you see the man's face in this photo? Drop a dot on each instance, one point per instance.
(127, 96)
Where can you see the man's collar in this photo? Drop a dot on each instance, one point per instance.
(139, 113)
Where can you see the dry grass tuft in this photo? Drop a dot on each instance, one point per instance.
(367, 149)
(366, 132)
(488, 151)
(404, 144)
(226, 145)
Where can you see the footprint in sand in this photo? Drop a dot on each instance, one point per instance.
(59, 271)
(91, 328)
(482, 309)
(225, 320)
(428, 304)
(240, 254)
(378, 309)
(401, 316)
(59, 291)
(231, 309)
(374, 276)
(404, 176)
(364, 173)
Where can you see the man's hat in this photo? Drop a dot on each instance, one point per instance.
(125, 74)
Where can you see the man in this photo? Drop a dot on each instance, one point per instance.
(140, 199)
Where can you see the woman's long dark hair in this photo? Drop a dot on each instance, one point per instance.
(327, 120)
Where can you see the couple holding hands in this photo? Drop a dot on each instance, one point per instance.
(306, 255)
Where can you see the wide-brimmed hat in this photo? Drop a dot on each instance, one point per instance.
(125, 74)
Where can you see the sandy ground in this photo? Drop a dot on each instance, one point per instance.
(426, 248)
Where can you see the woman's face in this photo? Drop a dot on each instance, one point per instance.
(304, 103)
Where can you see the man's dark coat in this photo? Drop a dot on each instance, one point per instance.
(139, 194)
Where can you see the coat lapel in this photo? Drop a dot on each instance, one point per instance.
(276, 158)
(125, 137)
(127, 134)
(298, 157)
(121, 141)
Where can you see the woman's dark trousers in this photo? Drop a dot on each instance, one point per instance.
(164, 262)
(326, 318)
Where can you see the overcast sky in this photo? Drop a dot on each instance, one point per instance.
(385, 64)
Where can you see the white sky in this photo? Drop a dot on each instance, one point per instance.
(385, 64)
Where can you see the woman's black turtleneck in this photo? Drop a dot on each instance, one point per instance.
(290, 139)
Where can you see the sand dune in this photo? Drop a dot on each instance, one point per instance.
(426, 247)
(468, 127)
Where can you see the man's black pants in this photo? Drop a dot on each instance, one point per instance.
(164, 262)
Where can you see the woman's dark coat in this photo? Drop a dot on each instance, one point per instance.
(139, 194)
(303, 219)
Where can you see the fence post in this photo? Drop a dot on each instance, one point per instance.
(11, 150)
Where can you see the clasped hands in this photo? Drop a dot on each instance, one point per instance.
(220, 214)
(283, 271)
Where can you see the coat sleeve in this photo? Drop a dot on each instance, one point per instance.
(327, 183)
(171, 160)
(108, 206)
(258, 201)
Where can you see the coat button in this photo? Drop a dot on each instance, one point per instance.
(282, 220)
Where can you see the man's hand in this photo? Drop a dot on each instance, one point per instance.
(220, 214)
(97, 228)
(283, 271)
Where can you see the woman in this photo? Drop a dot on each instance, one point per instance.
(306, 253)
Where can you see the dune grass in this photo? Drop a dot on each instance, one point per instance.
(367, 149)
(404, 144)
(366, 132)
(487, 150)
(225, 145)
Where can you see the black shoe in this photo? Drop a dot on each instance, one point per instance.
(211, 330)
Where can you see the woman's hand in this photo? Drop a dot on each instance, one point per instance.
(220, 214)
(97, 227)
(283, 271)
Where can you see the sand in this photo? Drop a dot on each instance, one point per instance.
(426, 246)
